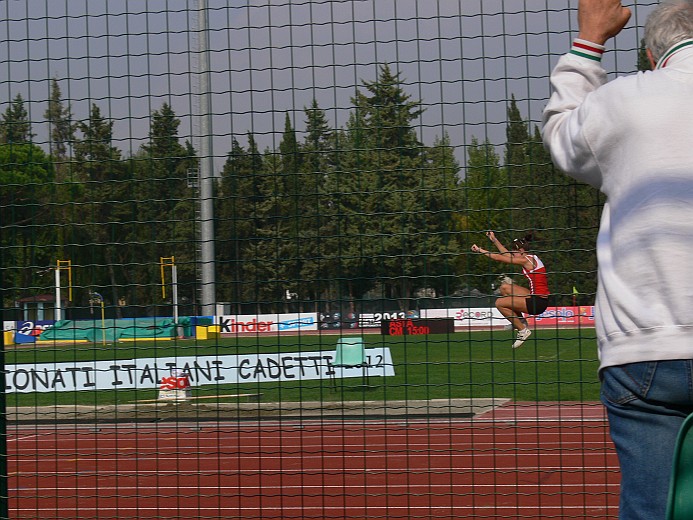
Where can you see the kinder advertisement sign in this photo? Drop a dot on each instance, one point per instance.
(249, 324)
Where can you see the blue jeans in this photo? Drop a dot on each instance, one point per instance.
(646, 404)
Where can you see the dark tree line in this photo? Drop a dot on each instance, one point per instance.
(335, 216)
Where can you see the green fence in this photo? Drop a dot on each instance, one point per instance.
(198, 199)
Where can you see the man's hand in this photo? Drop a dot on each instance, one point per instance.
(600, 20)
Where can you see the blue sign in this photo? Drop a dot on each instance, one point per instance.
(29, 331)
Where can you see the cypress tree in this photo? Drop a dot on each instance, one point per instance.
(15, 127)
(98, 163)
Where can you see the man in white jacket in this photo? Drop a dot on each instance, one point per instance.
(632, 138)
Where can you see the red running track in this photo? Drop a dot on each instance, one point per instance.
(527, 461)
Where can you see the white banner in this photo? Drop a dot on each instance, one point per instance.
(468, 317)
(146, 373)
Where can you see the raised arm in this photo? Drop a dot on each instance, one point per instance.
(492, 237)
(505, 257)
(576, 75)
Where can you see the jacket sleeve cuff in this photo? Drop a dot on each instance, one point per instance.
(589, 50)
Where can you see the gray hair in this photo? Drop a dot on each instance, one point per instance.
(671, 22)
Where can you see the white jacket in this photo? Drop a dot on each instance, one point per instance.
(632, 138)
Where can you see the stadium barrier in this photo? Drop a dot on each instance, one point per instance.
(289, 323)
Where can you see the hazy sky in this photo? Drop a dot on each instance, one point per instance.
(463, 59)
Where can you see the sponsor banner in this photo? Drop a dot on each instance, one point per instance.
(176, 386)
(374, 319)
(337, 320)
(148, 373)
(29, 331)
(469, 317)
(491, 317)
(565, 316)
(267, 323)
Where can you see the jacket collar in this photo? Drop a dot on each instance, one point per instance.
(675, 53)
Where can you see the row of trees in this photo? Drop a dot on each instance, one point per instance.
(366, 210)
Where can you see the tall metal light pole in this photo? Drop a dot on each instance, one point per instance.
(206, 191)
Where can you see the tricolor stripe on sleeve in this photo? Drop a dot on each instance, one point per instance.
(589, 50)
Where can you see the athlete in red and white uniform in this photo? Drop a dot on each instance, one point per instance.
(516, 300)
(538, 281)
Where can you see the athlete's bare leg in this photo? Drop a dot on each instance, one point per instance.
(512, 303)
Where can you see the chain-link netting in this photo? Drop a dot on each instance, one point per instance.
(236, 270)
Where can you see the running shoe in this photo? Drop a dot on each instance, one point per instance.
(522, 336)
(503, 278)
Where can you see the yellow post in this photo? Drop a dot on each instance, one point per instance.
(170, 261)
(66, 265)
(103, 323)
(165, 261)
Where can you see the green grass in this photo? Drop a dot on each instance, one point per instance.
(553, 365)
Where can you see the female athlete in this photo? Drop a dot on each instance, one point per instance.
(515, 299)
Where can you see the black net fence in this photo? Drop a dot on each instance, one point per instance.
(236, 271)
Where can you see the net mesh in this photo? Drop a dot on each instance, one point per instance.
(236, 271)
